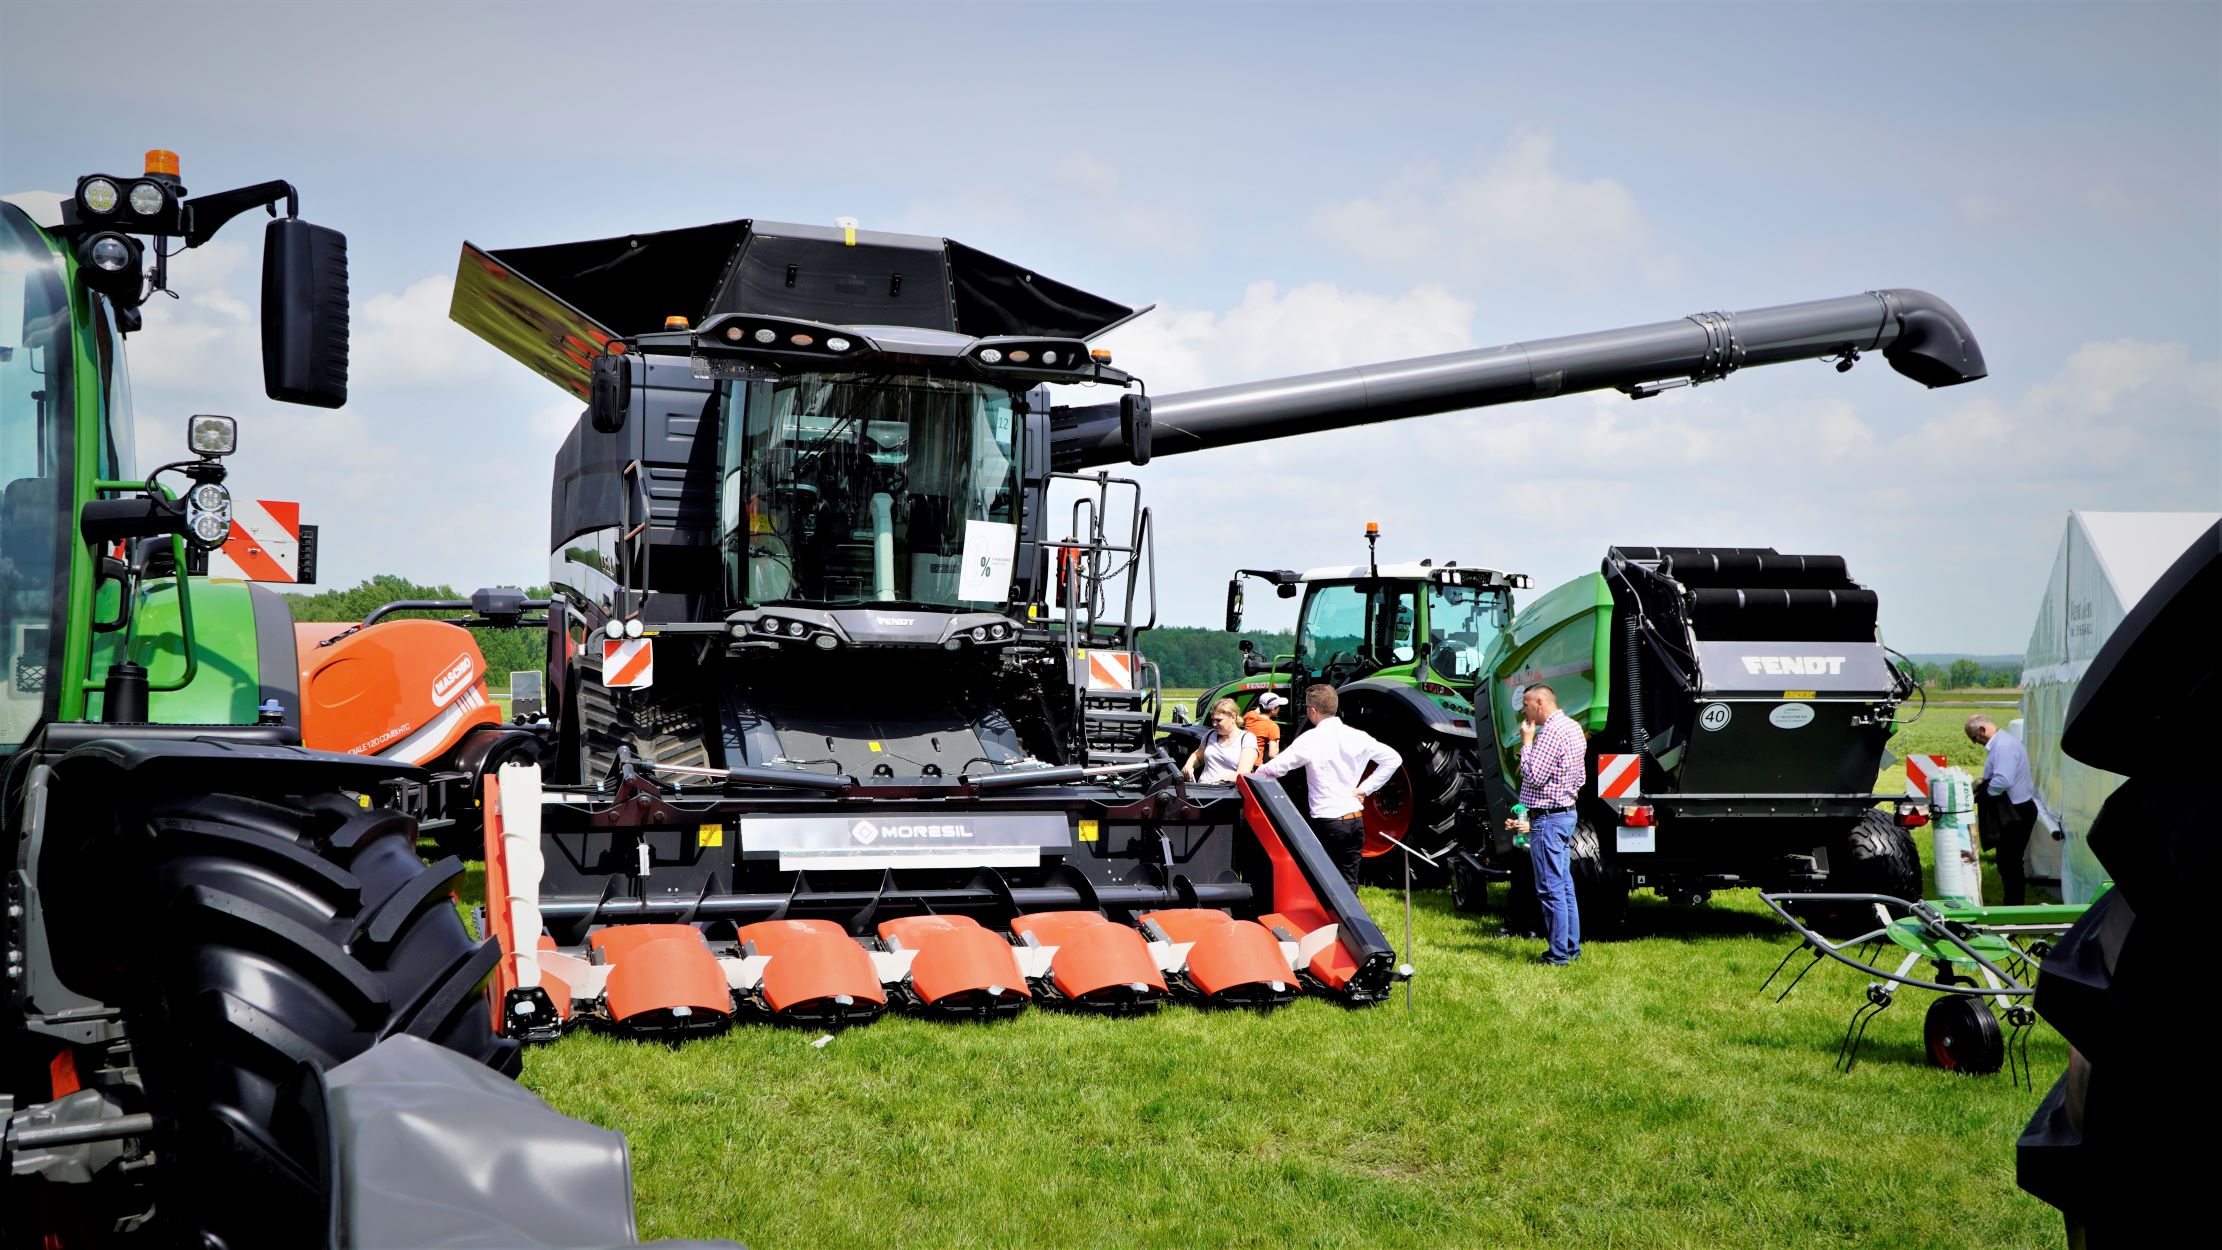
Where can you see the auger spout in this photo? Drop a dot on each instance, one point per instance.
(1920, 335)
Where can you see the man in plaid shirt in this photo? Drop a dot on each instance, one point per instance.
(1552, 770)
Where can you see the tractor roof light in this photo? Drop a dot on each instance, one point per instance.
(211, 435)
(148, 198)
(208, 514)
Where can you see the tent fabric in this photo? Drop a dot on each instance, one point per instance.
(2105, 563)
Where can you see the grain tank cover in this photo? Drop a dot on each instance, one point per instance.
(553, 307)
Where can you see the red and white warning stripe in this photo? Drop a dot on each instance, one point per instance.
(1920, 770)
(1110, 670)
(265, 542)
(628, 663)
(1619, 777)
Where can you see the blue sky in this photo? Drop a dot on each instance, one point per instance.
(1299, 188)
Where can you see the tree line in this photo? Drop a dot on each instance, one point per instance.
(1967, 674)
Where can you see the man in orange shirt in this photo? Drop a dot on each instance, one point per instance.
(1259, 721)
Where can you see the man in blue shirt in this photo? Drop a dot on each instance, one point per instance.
(2006, 802)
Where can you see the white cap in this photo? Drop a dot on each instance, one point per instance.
(1270, 701)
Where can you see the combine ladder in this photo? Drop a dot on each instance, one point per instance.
(1099, 575)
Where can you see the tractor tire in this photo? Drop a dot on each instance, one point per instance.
(1469, 890)
(1437, 774)
(1875, 857)
(281, 936)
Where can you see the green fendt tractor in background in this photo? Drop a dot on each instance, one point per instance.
(201, 917)
(1406, 647)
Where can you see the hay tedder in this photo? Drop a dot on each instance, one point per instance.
(837, 722)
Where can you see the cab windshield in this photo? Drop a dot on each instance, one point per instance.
(35, 408)
(1461, 623)
(848, 489)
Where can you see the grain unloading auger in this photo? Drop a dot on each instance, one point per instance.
(837, 721)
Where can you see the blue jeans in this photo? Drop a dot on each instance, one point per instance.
(1548, 838)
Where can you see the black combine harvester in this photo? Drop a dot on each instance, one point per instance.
(838, 720)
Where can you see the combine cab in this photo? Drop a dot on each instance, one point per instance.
(827, 689)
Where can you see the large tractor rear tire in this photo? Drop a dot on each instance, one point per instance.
(1434, 773)
(1875, 857)
(282, 935)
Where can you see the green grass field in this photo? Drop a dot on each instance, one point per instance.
(1647, 1096)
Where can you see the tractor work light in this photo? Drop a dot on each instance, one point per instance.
(826, 642)
(614, 628)
(634, 628)
(795, 628)
(837, 344)
(211, 435)
(764, 334)
(148, 198)
(97, 195)
(990, 356)
(208, 514)
(111, 252)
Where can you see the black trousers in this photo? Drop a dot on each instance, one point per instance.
(2006, 828)
(1344, 841)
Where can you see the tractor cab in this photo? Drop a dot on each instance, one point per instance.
(1420, 625)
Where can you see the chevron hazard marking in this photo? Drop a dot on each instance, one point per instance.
(264, 544)
(1619, 777)
(1110, 670)
(1919, 770)
(628, 663)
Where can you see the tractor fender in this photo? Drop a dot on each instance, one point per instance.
(1364, 701)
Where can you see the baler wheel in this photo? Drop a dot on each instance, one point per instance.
(1875, 857)
(283, 934)
(1600, 889)
(1963, 1036)
(1469, 890)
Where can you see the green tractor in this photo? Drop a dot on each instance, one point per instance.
(1406, 647)
(201, 917)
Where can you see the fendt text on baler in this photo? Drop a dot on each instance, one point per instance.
(838, 721)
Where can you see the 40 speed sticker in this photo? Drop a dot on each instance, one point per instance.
(1714, 716)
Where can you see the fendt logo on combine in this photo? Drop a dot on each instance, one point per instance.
(451, 680)
(867, 832)
(1794, 665)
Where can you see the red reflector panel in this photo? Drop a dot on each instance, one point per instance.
(1103, 957)
(661, 975)
(1055, 928)
(1638, 817)
(1234, 955)
(958, 961)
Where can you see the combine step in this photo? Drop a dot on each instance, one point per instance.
(961, 968)
(1097, 964)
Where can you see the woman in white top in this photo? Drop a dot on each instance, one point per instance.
(1228, 751)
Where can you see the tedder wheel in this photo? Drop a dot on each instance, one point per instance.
(281, 934)
(1963, 1036)
(1875, 857)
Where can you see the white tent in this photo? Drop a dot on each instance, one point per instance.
(2106, 563)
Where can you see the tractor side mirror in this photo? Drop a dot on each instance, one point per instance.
(611, 395)
(1234, 606)
(304, 313)
(1134, 427)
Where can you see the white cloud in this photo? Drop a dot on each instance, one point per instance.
(407, 340)
(1514, 213)
(1947, 502)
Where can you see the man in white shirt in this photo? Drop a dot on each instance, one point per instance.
(1334, 758)
(2006, 802)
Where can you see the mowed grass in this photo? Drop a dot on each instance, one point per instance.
(1647, 1096)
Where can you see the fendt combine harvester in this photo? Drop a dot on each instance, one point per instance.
(838, 721)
